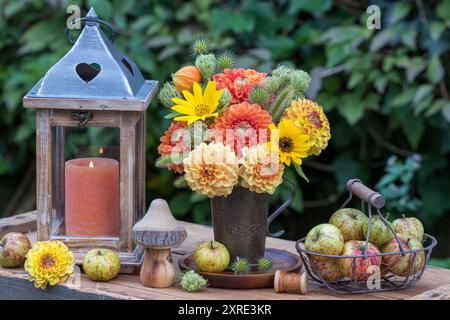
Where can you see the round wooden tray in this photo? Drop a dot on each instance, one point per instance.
(282, 260)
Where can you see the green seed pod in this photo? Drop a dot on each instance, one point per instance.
(240, 266)
(225, 61)
(259, 95)
(224, 100)
(192, 281)
(271, 84)
(167, 92)
(300, 80)
(206, 63)
(283, 74)
(282, 101)
(264, 264)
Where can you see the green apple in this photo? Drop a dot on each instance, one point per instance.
(350, 221)
(409, 227)
(359, 268)
(325, 239)
(379, 231)
(101, 264)
(328, 269)
(399, 264)
(14, 247)
(211, 256)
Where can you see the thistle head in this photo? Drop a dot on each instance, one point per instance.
(206, 63)
(225, 61)
(259, 96)
(200, 46)
(167, 92)
(240, 266)
(264, 264)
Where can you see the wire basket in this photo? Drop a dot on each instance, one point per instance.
(371, 271)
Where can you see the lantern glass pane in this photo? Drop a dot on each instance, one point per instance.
(86, 182)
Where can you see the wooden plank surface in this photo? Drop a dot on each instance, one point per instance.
(14, 285)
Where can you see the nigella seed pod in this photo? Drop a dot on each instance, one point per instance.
(264, 264)
(167, 92)
(225, 61)
(240, 266)
(206, 63)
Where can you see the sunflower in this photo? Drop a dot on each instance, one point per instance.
(49, 262)
(292, 144)
(309, 116)
(198, 106)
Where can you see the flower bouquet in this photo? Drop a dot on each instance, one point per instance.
(233, 132)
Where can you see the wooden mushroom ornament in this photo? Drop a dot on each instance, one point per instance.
(158, 232)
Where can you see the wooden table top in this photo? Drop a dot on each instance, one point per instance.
(14, 283)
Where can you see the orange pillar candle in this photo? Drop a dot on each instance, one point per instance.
(92, 197)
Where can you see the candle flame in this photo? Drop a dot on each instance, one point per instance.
(91, 164)
(100, 151)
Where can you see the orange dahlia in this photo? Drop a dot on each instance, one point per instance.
(239, 82)
(172, 142)
(246, 123)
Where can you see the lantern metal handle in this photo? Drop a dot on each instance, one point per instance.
(90, 21)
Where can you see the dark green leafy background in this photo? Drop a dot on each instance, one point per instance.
(386, 92)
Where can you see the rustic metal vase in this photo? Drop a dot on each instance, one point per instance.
(241, 221)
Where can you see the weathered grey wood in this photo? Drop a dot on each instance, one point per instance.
(59, 172)
(43, 174)
(139, 104)
(141, 180)
(63, 118)
(24, 222)
(21, 289)
(440, 293)
(128, 190)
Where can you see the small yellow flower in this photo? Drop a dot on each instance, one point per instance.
(290, 140)
(49, 262)
(198, 106)
(309, 116)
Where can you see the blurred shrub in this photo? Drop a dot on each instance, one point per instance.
(386, 91)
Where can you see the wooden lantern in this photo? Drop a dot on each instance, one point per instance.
(93, 85)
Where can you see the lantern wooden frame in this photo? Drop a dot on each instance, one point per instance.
(117, 96)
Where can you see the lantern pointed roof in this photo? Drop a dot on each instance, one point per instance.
(94, 69)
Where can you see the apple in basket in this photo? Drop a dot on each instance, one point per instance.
(359, 269)
(403, 265)
(379, 231)
(409, 227)
(325, 239)
(350, 221)
(327, 268)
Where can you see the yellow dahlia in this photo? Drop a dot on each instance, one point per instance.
(261, 171)
(199, 105)
(211, 169)
(309, 116)
(49, 262)
(291, 142)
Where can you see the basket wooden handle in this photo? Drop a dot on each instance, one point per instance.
(356, 187)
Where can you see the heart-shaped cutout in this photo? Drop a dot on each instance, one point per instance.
(87, 72)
